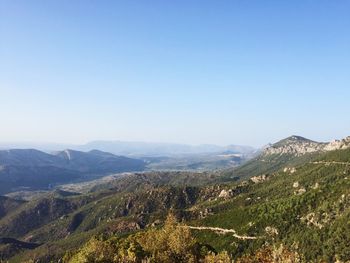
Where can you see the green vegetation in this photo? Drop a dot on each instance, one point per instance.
(299, 211)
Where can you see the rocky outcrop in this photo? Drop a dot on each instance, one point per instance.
(300, 191)
(224, 194)
(259, 178)
(236, 190)
(298, 146)
(290, 170)
(338, 144)
(271, 231)
(312, 219)
(295, 145)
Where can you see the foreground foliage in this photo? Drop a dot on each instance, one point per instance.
(172, 243)
(298, 212)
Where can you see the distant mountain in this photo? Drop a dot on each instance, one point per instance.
(293, 199)
(126, 148)
(27, 157)
(98, 162)
(161, 149)
(29, 168)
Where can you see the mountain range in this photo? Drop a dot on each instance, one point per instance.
(29, 168)
(290, 203)
(139, 149)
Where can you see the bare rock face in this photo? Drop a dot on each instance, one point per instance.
(295, 145)
(298, 146)
(338, 144)
(259, 179)
(224, 194)
(236, 190)
(300, 191)
(312, 220)
(295, 184)
(290, 170)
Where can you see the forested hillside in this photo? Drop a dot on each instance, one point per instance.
(292, 208)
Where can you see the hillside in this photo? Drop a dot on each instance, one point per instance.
(300, 213)
(296, 210)
(33, 169)
(288, 152)
(8, 204)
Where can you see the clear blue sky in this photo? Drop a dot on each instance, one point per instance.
(243, 72)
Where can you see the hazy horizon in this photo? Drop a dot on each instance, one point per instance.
(188, 72)
(72, 144)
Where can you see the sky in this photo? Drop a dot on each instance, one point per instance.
(185, 71)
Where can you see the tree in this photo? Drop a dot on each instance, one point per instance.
(173, 243)
(222, 257)
(95, 251)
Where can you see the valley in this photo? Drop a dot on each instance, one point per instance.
(280, 202)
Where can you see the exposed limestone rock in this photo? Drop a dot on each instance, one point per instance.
(271, 231)
(290, 170)
(295, 145)
(338, 144)
(300, 191)
(234, 191)
(315, 186)
(299, 146)
(224, 194)
(311, 220)
(295, 184)
(259, 179)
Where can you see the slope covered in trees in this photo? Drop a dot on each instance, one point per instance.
(298, 212)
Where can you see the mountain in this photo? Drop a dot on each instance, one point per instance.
(143, 149)
(299, 214)
(98, 162)
(287, 152)
(297, 145)
(27, 157)
(293, 206)
(161, 149)
(33, 169)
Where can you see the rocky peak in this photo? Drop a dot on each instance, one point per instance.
(295, 145)
(298, 146)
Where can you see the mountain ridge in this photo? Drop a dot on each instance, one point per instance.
(135, 148)
(298, 145)
(305, 205)
(23, 168)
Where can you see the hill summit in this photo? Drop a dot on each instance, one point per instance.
(297, 145)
